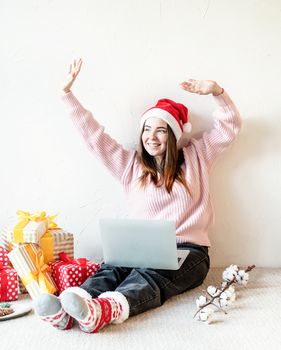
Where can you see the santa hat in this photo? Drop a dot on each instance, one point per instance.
(173, 113)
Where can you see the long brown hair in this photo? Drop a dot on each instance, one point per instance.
(170, 167)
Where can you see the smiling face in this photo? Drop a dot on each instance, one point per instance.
(154, 137)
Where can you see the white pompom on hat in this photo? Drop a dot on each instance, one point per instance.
(173, 113)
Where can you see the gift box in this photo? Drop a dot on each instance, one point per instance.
(7, 235)
(27, 228)
(28, 261)
(69, 272)
(8, 283)
(56, 241)
(4, 260)
(8, 246)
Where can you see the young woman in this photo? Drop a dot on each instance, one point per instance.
(161, 180)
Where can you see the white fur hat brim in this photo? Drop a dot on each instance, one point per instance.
(168, 118)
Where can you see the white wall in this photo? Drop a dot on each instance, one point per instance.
(136, 52)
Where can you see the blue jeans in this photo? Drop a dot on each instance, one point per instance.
(149, 288)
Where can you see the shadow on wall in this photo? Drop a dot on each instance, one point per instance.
(237, 237)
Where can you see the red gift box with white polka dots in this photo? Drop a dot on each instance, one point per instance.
(69, 272)
(9, 285)
(4, 257)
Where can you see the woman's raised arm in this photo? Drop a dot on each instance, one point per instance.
(227, 122)
(115, 158)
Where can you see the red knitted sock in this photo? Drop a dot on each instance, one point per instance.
(101, 311)
(61, 320)
(94, 314)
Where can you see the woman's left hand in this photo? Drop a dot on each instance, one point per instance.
(202, 87)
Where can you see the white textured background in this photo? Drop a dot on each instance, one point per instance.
(135, 52)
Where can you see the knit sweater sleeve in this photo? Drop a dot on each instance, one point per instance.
(115, 158)
(227, 124)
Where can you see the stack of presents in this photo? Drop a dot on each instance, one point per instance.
(37, 257)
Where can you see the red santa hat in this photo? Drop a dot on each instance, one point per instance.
(173, 113)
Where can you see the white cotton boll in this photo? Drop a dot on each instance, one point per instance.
(223, 295)
(241, 273)
(230, 272)
(232, 269)
(227, 297)
(228, 292)
(203, 315)
(228, 275)
(206, 315)
(245, 279)
(239, 279)
(235, 268)
(225, 275)
(242, 277)
(224, 302)
(231, 289)
(212, 290)
(224, 299)
(230, 296)
(201, 301)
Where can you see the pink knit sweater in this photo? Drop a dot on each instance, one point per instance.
(193, 215)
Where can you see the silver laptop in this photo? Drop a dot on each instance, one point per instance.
(141, 243)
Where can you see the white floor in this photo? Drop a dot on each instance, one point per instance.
(253, 322)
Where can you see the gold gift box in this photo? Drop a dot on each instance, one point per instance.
(28, 261)
(56, 241)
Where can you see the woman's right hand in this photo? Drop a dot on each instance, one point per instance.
(74, 70)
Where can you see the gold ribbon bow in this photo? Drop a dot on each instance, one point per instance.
(52, 225)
